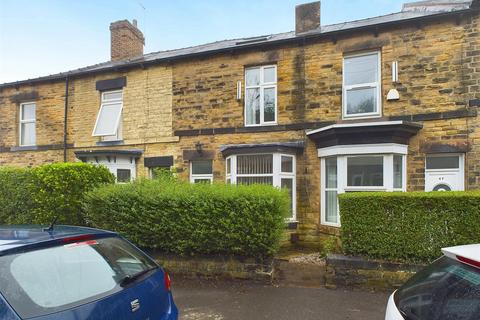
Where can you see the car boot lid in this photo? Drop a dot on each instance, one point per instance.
(468, 254)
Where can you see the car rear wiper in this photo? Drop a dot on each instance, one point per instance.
(131, 278)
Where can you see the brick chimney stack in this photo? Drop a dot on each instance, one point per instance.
(307, 17)
(127, 40)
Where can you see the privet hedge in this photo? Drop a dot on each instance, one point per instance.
(16, 201)
(36, 196)
(409, 227)
(188, 219)
(58, 190)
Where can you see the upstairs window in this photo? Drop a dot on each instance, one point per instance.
(261, 95)
(361, 85)
(27, 124)
(110, 114)
(201, 171)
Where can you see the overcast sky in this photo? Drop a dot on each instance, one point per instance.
(41, 37)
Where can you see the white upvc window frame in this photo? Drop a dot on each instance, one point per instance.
(109, 102)
(277, 174)
(203, 176)
(377, 85)
(261, 87)
(342, 173)
(22, 121)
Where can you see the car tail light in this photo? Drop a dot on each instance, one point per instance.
(469, 261)
(168, 283)
(84, 237)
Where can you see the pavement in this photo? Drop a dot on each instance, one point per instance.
(232, 300)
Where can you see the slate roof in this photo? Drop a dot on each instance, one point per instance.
(410, 12)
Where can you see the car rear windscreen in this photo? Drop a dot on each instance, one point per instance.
(55, 279)
(445, 290)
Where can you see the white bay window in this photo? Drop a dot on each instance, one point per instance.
(261, 95)
(361, 85)
(361, 172)
(273, 169)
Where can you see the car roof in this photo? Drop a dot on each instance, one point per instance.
(18, 236)
(470, 252)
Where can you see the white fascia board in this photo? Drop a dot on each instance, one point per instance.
(353, 149)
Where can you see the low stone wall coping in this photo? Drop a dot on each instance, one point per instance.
(351, 262)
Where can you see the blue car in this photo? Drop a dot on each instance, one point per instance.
(74, 273)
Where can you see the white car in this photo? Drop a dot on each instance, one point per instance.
(448, 289)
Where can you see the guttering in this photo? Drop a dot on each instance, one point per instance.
(65, 119)
(297, 38)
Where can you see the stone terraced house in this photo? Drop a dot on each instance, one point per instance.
(382, 104)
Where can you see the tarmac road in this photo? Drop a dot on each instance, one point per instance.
(219, 300)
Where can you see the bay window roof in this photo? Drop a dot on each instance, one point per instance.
(398, 132)
(291, 147)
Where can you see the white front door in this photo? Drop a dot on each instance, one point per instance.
(444, 172)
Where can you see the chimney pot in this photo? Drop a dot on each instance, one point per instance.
(307, 17)
(126, 40)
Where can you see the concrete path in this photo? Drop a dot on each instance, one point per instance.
(213, 300)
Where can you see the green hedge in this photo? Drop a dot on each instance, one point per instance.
(189, 219)
(16, 201)
(58, 190)
(36, 196)
(408, 226)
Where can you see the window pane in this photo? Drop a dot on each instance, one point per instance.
(202, 167)
(28, 111)
(361, 101)
(108, 120)
(331, 214)
(229, 165)
(288, 184)
(112, 95)
(252, 77)
(255, 164)
(123, 175)
(269, 104)
(252, 106)
(365, 171)
(255, 180)
(331, 172)
(363, 69)
(287, 164)
(269, 75)
(397, 172)
(28, 134)
(443, 162)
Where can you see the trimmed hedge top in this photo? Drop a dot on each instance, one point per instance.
(189, 219)
(410, 226)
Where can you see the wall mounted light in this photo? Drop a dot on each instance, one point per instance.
(395, 71)
(239, 90)
(199, 147)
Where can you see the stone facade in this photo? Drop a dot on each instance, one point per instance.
(437, 83)
(174, 108)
